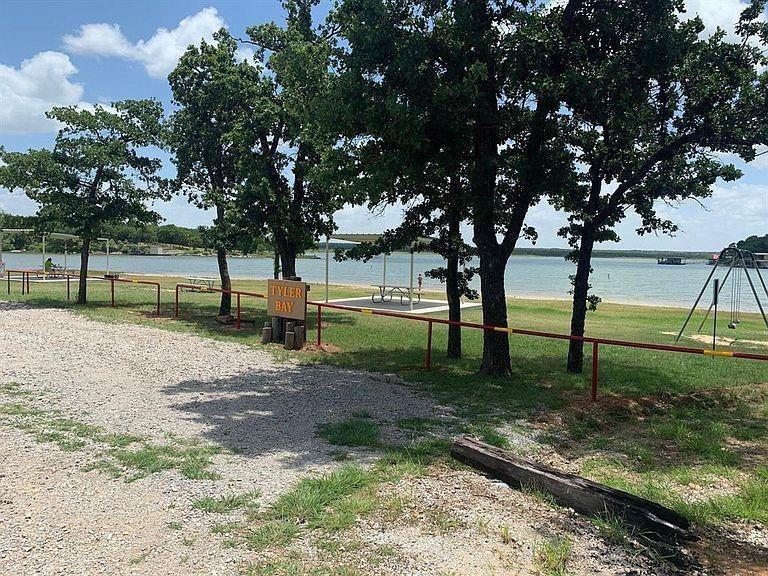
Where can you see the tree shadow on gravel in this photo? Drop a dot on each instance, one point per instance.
(277, 411)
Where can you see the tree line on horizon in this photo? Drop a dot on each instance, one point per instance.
(466, 112)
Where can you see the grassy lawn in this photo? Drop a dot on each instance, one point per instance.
(686, 430)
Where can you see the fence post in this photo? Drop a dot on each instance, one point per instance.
(112, 291)
(8, 272)
(158, 299)
(428, 359)
(68, 289)
(238, 310)
(595, 361)
(319, 326)
(176, 308)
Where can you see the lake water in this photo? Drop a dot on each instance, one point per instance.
(628, 280)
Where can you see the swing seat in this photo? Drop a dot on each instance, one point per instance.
(732, 326)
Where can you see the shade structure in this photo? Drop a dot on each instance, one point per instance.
(371, 238)
(46, 235)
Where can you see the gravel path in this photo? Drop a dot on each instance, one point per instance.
(56, 518)
(155, 383)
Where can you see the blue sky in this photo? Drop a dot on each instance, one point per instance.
(61, 53)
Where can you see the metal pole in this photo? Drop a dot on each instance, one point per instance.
(754, 292)
(107, 256)
(410, 285)
(327, 266)
(8, 273)
(759, 274)
(112, 290)
(722, 285)
(714, 325)
(238, 310)
(384, 277)
(68, 289)
(44, 274)
(319, 326)
(428, 359)
(176, 309)
(595, 363)
(698, 298)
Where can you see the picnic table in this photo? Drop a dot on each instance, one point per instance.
(55, 271)
(385, 293)
(204, 281)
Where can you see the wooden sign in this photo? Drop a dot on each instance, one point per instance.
(287, 299)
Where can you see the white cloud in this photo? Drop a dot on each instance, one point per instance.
(26, 93)
(740, 206)
(158, 54)
(102, 39)
(718, 13)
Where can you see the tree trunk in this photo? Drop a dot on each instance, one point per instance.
(496, 360)
(82, 289)
(225, 307)
(287, 258)
(452, 289)
(580, 293)
(276, 267)
(288, 263)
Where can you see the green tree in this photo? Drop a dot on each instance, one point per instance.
(498, 67)
(652, 103)
(214, 92)
(401, 141)
(284, 140)
(756, 244)
(97, 173)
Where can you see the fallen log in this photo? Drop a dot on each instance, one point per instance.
(584, 496)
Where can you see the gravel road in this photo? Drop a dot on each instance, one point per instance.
(57, 518)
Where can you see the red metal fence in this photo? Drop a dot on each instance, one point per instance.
(596, 342)
(199, 288)
(26, 274)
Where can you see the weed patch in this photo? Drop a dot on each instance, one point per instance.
(353, 432)
(551, 556)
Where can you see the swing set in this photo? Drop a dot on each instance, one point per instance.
(741, 261)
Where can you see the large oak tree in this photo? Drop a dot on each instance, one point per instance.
(98, 172)
(214, 90)
(654, 106)
(500, 64)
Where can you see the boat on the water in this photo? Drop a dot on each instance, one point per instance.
(671, 261)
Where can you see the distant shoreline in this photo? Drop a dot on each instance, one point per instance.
(542, 252)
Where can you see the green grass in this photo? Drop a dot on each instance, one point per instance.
(352, 432)
(116, 454)
(551, 556)
(191, 461)
(331, 503)
(225, 503)
(672, 420)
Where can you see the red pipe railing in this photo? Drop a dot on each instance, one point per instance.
(25, 276)
(130, 281)
(596, 342)
(199, 288)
